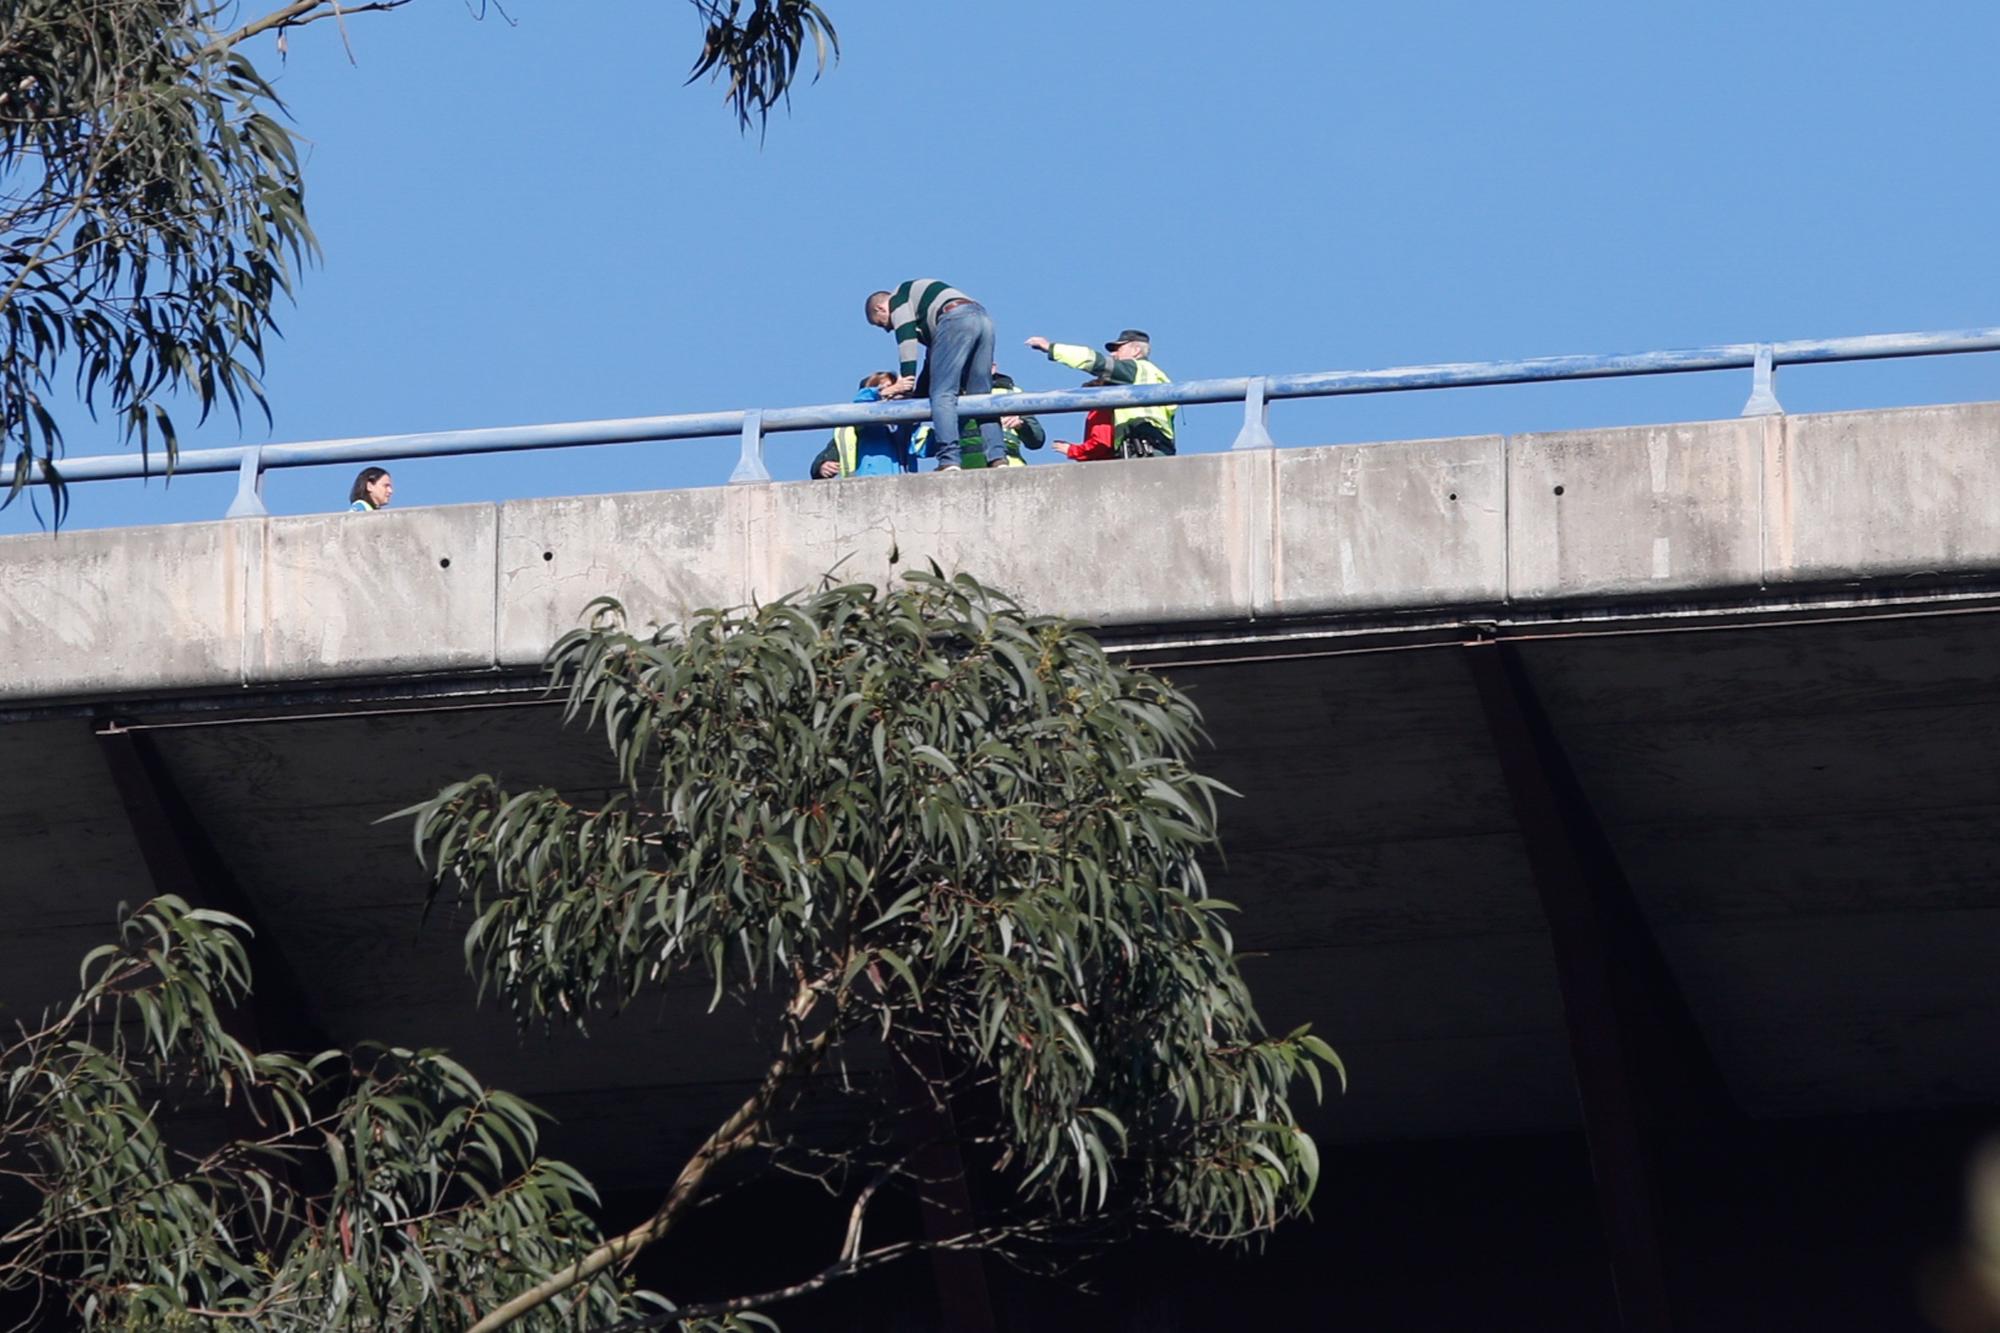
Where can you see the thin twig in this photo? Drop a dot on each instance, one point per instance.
(971, 1240)
(735, 1134)
(295, 15)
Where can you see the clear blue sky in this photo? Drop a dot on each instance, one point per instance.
(540, 223)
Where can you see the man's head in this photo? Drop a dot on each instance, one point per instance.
(877, 379)
(878, 309)
(1131, 345)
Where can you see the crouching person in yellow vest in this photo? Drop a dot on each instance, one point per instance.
(1136, 432)
(1016, 433)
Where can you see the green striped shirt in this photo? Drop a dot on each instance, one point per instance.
(912, 316)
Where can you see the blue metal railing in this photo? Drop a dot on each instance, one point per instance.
(251, 462)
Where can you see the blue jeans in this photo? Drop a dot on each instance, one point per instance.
(961, 362)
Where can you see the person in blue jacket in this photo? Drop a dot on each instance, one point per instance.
(873, 450)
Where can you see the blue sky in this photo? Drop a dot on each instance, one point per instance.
(538, 222)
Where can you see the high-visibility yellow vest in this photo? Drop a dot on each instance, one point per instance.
(847, 440)
(1122, 418)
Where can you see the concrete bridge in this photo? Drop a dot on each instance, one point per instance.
(1621, 798)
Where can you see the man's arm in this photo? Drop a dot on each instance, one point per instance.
(830, 454)
(909, 333)
(1031, 432)
(1087, 359)
(1118, 372)
(909, 345)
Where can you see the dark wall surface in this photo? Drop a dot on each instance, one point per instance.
(1824, 1224)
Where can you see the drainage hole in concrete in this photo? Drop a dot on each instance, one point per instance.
(445, 563)
(1452, 496)
(548, 555)
(1559, 490)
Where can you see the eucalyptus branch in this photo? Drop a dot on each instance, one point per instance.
(294, 15)
(734, 1134)
(850, 1245)
(987, 1238)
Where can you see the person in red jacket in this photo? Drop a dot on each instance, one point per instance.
(1098, 432)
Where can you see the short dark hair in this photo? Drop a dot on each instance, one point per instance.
(873, 297)
(369, 476)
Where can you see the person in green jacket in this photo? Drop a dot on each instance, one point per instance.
(1137, 432)
(1017, 432)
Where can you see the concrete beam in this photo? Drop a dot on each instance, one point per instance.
(663, 553)
(181, 860)
(1390, 526)
(1571, 523)
(412, 592)
(1854, 496)
(122, 609)
(1641, 1065)
(1641, 511)
(1578, 888)
(944, 1195)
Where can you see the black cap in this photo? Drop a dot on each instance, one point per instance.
(1129, 336)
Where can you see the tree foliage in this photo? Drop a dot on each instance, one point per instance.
(427, 1198)
(152, 203)
(920, 826)
(151, 212)
(915, 829)
(758, 51)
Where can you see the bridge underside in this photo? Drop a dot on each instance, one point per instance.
(1804, 811)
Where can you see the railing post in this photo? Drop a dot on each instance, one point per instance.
(1256, 432)
(249, 501)
(750, 465)
(1763, 387)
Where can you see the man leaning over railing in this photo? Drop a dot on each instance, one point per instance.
(924, 312)
(1137, 432)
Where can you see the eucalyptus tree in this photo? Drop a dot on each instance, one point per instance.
(950, 852)
(915, 828)
(373, 1189)
(152, 198)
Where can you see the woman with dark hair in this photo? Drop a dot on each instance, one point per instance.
(372, 490)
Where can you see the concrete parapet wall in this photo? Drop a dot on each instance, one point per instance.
(1634, 511)
(1874, 495)
(1578, 517)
